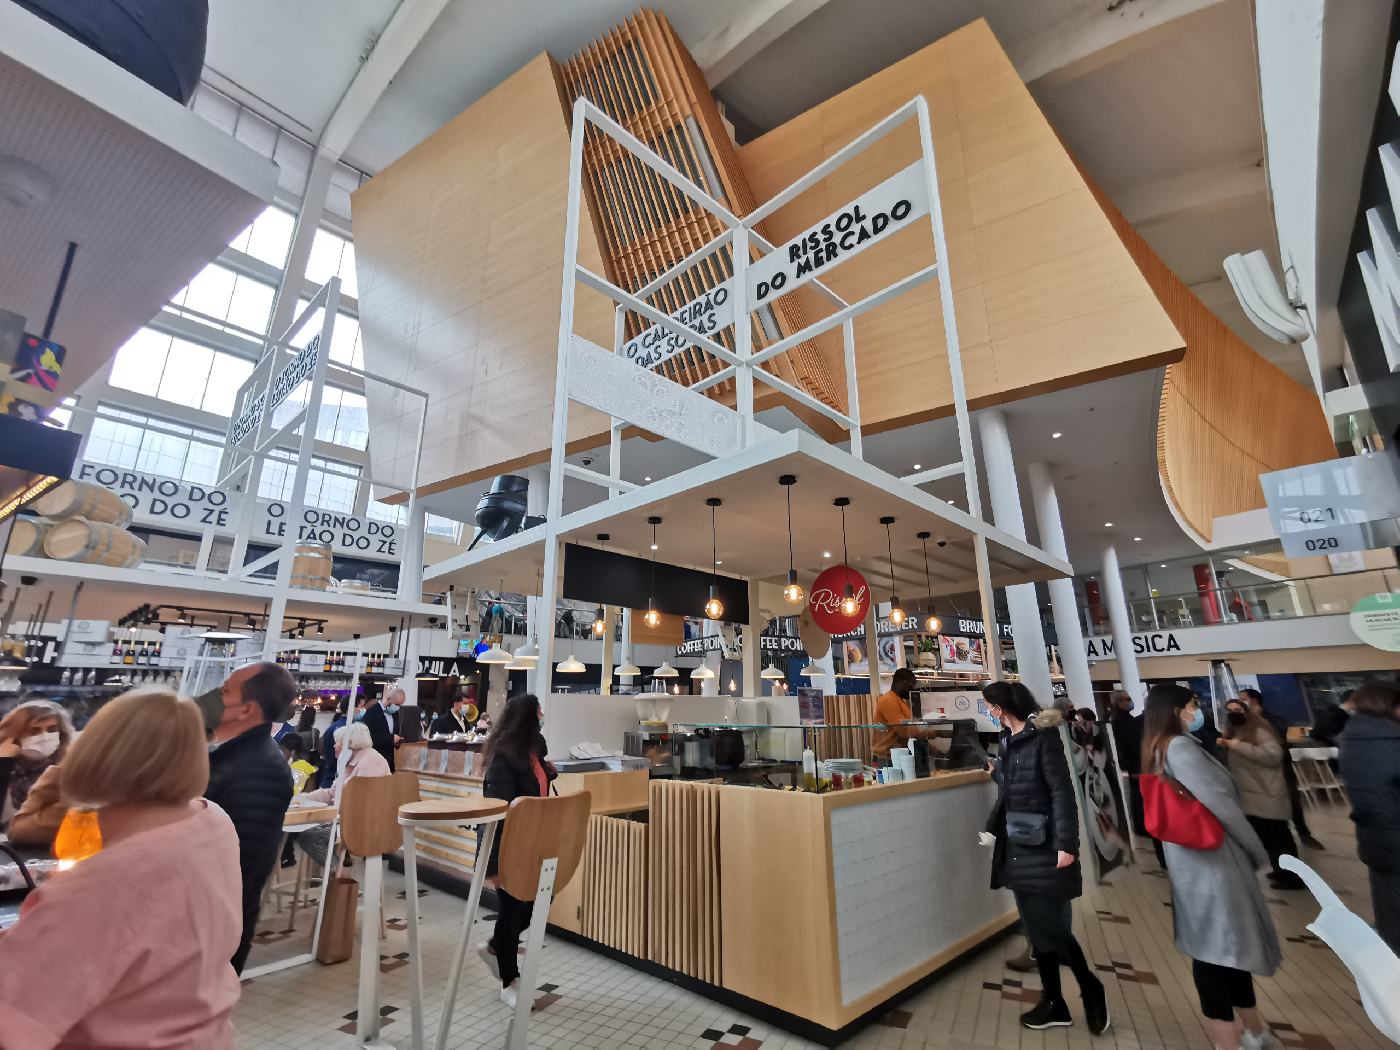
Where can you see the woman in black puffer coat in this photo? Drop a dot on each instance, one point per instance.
(1036, 826)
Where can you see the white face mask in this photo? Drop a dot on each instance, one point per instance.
(40, 745)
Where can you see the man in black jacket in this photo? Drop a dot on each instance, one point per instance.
(381, 729)
(250, 780)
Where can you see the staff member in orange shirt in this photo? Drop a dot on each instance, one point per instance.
(894, 713)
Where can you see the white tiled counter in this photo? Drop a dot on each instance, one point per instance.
(833, 904)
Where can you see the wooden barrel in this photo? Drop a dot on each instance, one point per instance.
(27, 537)
(93, 542)
(83, 499)
(311, 566)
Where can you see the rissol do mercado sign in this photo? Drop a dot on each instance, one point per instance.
(871, 217)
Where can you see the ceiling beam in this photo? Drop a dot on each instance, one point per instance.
(1197, 190)
(722, 53)
(1097, 34)
(406, 28)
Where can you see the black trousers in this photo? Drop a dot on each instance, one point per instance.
(1277, 840)
(1222, 990)
(1295, 797)
(512, 919)
(251, 907)
(1385, 902)
(1047, 922)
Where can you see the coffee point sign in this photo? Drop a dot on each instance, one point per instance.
(182, 506)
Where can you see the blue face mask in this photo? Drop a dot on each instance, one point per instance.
(1197, 720)
(359, 716)
(392, 708)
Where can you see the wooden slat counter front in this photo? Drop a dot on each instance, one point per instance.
(821, 907)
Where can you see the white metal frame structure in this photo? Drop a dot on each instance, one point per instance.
(581, 363)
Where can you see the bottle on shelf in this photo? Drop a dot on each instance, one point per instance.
(326, 669)
(155, 654)
(129, 654)
(66, 678)
(116, 652)
(143, 655)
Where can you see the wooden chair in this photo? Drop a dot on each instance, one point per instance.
(540, 851)
(369, 828)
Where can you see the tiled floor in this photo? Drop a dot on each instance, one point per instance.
(590, 1001)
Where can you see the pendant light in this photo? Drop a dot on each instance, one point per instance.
(530, 652)
(849, 606)
(627, 670)
(811, 670)
(896, 610)
(600, 618)
(792, 593)
(772, 672)
(714, 608)
(651, 617)
(703, 671)
(665, 671)
(573, 665)
(934, 624)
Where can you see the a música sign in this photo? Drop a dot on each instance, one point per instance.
(182, 506)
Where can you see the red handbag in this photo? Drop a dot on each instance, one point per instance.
(1172, 814)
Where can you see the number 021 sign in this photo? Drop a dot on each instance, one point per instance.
(1339, 505)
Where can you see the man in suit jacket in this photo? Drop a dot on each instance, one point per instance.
(453, 720)
(381, 730)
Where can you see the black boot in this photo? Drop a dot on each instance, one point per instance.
(1096, 1008)
(1048, 1013)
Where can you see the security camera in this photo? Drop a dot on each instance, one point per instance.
(1264, 302)
(587, 461)
(432, 621)
(942, 542)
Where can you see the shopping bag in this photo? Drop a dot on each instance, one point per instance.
(337, 941)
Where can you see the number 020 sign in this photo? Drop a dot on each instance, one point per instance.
(1339, 505)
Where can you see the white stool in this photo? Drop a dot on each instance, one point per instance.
(1315, 776)
(471, 811)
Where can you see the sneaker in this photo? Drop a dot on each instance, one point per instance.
(1312, 843)
(1047, 1014)
(1096, 1010)
(1265, 1040)
(488, 956)
(508, 995)
(1023, 963)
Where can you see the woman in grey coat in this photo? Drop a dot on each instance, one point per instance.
(1220, 918)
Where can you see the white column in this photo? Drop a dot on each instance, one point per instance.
(536, 501)
(1068, 630)
(609, 649)
(627, 647)
(872, 649)
(1122, 625)
(1021, 601)
(713, 660)
(411, 562)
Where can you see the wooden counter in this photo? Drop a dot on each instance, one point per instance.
(821, 907)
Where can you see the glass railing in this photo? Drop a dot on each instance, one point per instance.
(1255, 602)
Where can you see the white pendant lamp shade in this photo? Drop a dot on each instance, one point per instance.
(702, 672)
(494, 655)
(665, 671)
(771, 672)
(573, 665)
(529, 652)
(627, 670)
(812, 670)
(520, 665)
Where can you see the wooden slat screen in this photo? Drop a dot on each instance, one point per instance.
(642, 76)
(683, 892)
(853, 709)
(614, 903)
(1227, 415)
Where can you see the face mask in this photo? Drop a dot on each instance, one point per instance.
(392, 708)
(40, 745)
(359, 716)
(1197, 720)
(1236, 718)
(211, 706)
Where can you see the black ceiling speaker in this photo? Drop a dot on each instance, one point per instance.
(158, 41)
(501, 510)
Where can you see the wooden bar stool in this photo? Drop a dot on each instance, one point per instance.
(473, 811)
(540, 851)
(369, 809)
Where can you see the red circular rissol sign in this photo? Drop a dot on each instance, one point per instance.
(824, 599)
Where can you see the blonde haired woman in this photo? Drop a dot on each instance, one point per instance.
(131, 946)
(355, 756)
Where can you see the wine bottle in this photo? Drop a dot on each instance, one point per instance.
(129, 654)
(116, 652)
